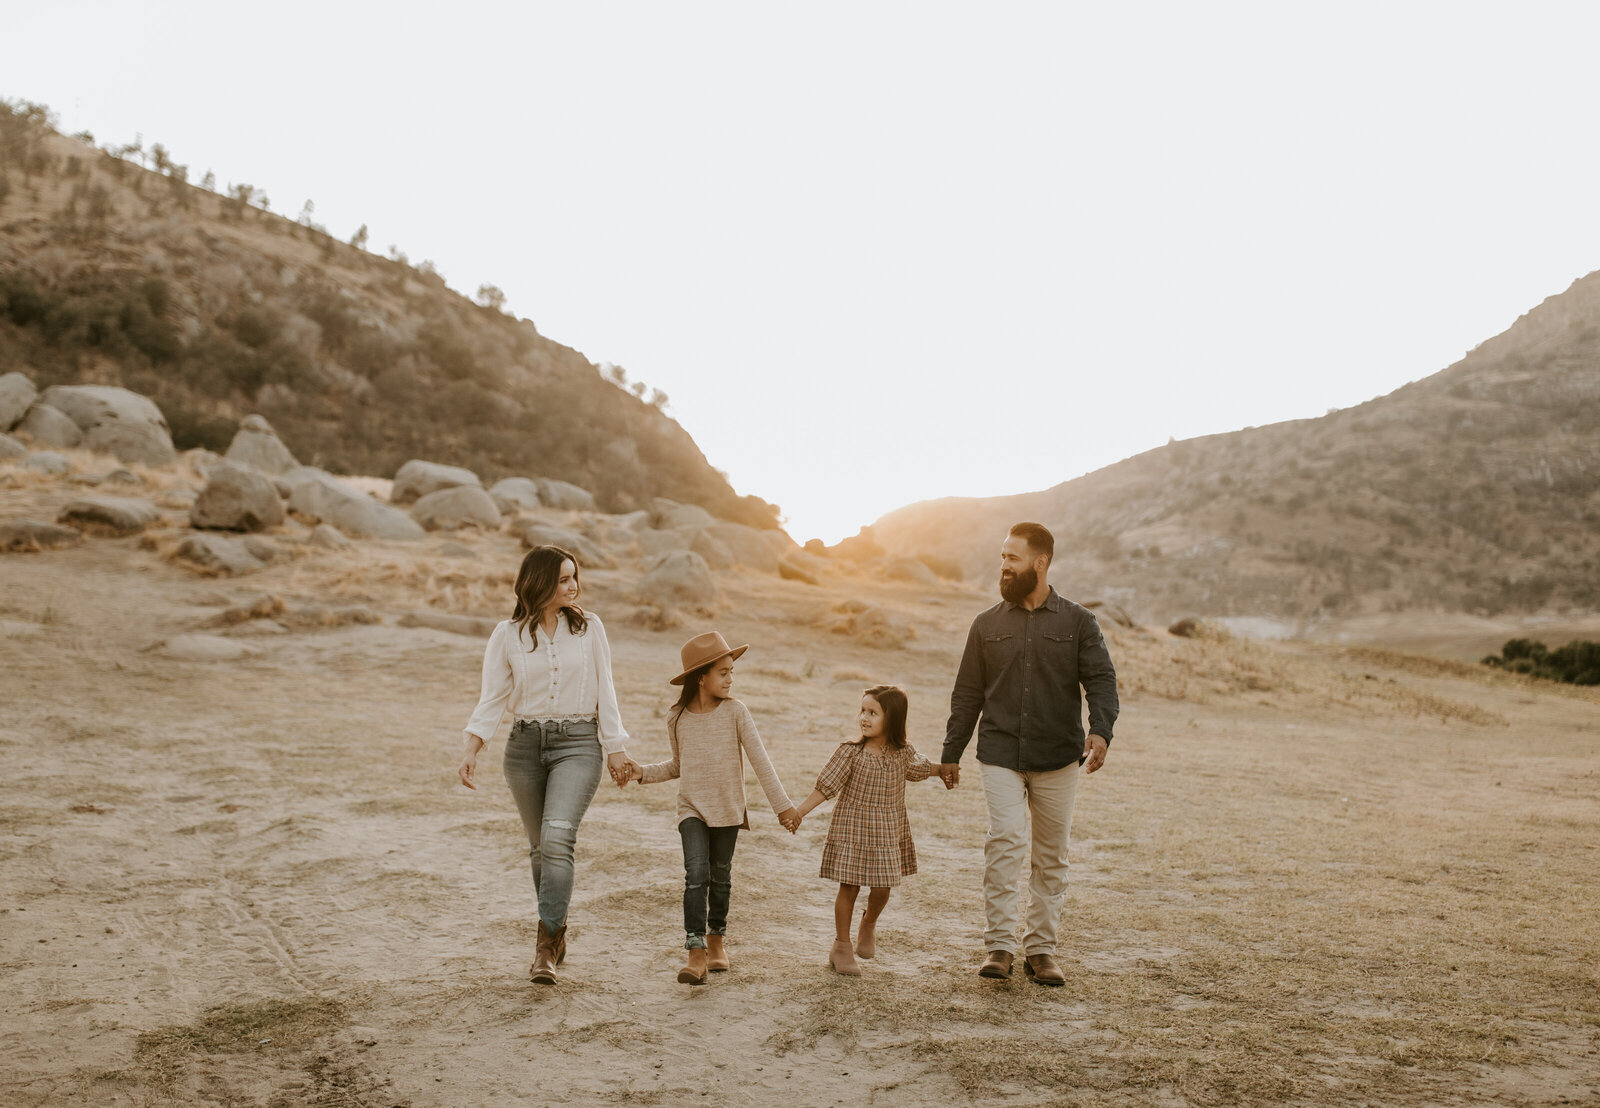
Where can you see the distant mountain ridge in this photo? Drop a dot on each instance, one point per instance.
(1476, 490)
(114, 273)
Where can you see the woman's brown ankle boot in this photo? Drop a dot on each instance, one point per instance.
(716, 954)
(543, 970)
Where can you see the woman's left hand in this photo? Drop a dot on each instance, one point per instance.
(623, 768)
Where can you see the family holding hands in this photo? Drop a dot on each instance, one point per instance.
(550, 664)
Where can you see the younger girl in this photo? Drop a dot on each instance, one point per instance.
(869, 840)
(710, 732)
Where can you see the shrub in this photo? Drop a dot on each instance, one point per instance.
(1577, 663)
(191, 429)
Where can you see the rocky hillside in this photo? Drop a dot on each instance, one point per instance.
(1474, 490)
(121, 272)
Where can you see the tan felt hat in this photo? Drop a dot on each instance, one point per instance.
(702, 650)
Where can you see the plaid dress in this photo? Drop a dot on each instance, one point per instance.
(869, 838)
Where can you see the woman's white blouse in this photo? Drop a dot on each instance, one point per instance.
(562, 677)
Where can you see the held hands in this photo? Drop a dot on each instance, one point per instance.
(623, 769)
(949, 773)
(790, 820)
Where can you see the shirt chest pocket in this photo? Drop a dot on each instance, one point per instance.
(999, 649)
(1058, 653)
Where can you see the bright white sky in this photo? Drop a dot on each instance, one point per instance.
(881, 252)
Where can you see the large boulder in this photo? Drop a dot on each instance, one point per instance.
(454, 508)
(236, 498)
(511, 493)
(560, 494)
(654, 542)
(417, 479)
(797, 565)
(17, 394)
(32, 535)
(329, 538)
(666, 514)
(913, 570)
(257, 444)
(679, 577)
(47, 425)
(116, 421)
(49, 463)
(319, 496)
(748, 546)
(715, 554)
(10, 448)
(219, 555)
(109, 515)
(478, 627)
(588, 552)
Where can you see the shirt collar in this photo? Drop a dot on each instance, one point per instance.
(1053, 602)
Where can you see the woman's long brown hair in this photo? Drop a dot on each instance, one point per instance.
(536, 584)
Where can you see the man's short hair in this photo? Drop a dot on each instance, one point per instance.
(1038, 538)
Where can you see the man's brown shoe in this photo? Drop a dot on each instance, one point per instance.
(1042, 968)
(716, 954)
(998, 964)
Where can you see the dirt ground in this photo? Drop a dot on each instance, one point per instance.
(1308, 874)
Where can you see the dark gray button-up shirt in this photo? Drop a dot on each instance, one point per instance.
(1021, 672)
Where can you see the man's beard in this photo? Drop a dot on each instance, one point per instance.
(1017, 587)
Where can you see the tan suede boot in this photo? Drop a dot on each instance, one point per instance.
(543, 970)
(867, 940)
(716, 954)
(695, 972)
(843, 960)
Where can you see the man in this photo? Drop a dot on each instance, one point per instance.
(1024, 662)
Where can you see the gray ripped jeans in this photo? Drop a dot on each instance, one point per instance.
(553, 769)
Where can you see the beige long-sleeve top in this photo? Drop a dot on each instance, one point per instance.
(560, 676)
(708, 751)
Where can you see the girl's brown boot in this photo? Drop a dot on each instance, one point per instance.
(716, 954)
(843, 960)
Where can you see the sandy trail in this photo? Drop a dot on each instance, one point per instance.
(1300, 879)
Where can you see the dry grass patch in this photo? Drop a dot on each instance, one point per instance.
(273, 1026)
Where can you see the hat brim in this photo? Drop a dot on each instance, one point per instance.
(734, 654)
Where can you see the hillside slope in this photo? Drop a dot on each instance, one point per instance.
(1474, 490)
(111, 272)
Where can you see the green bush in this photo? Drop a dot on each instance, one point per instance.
(1577, 663)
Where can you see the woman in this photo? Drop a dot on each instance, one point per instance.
(550, 664)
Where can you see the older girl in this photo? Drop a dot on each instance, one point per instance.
(550, 664)
(711, 734)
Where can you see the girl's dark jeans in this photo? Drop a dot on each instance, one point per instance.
(707, 879)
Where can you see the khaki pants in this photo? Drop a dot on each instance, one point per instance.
(1013, 798)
